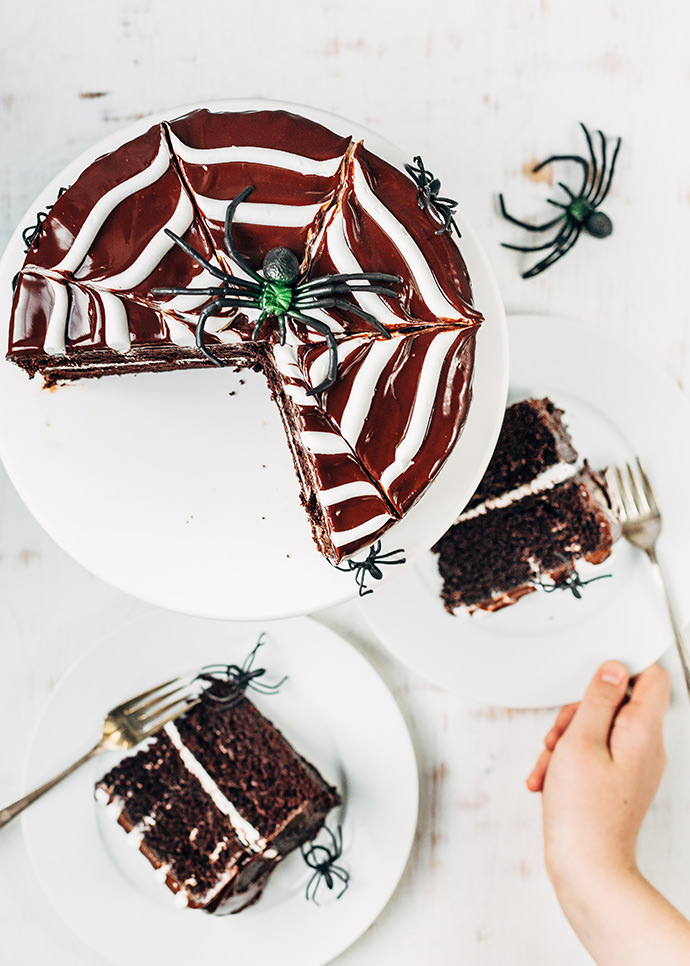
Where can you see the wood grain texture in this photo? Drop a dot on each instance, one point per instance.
(480, 91)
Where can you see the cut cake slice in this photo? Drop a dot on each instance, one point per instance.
(531, 519)
(216, 800)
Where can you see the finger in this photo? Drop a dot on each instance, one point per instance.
(603, 697)
(649, 699)
(563, 719)
(535, 779)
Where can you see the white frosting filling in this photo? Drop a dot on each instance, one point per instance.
(244, 830)
(547, 479)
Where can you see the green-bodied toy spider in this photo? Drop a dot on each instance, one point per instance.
(579, 212)
(279, 293)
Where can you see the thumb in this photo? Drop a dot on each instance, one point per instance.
(606, 690)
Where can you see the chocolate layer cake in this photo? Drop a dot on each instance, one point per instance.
(534, 516)
(216, 800)
(94, 298)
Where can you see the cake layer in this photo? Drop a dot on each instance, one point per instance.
(490, 560)
(533, 439)
(217, 799)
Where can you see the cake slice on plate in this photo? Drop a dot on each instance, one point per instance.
(533, 517)
(216, 800)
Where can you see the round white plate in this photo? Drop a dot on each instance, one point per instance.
(106, 891)
(179, 488)
(543, 650)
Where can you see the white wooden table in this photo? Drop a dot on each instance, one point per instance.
(480, 90)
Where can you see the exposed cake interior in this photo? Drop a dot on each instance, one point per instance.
(533, 517)
(216, 800)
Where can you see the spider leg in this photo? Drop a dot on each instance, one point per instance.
(567, 190)
(449, 202)
(240, 283)
(258, 325)
(203, 318)
(249, 659)
(344, 878)
(604, 188)
(348, 277)
(236, 301)
(264, 688)
(336, 842)
(336, 303)
(313, 880)
(596, 188)
(553, 256)
(567, 157)
(524, 224)
(556, 240)
(229, 244)
(593, 163)
(323, 329)
(197, 256)
(326, 291)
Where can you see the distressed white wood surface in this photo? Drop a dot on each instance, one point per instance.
(480, 90)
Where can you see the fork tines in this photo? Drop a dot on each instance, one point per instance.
(151, 710)
(631, 491)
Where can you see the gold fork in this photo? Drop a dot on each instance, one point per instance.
(124, 727)
(640, 518)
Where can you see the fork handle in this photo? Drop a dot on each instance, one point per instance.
(680, 643)
(8, 813)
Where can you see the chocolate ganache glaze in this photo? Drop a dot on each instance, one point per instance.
(86, 301)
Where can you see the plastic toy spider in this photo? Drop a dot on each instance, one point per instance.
(243, 677)
(30, 234)
(279, 293)
(322, 859)
(428, 188)
(580, 212)
(573, 582)
(370, 565)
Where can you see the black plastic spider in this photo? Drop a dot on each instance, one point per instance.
(581, 209)
(573, 582)
(322, 859)
(428, 188)
(243, 677)
(370, 565)
(31, 233)
(278, 293)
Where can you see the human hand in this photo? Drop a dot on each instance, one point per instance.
(600, 768)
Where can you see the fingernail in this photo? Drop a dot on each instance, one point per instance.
(612, 673)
